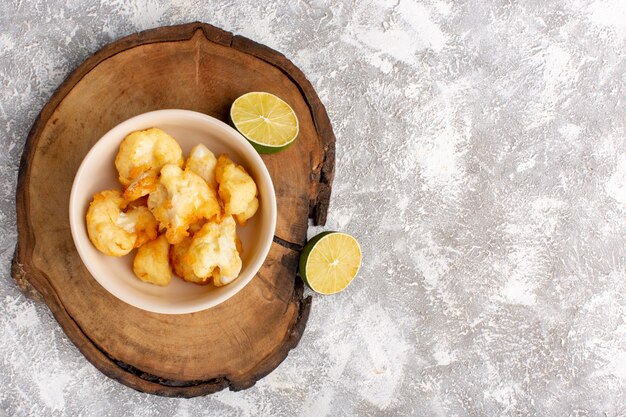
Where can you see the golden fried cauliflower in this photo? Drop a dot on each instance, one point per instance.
(242, 218)
(195, 227)
(181, 198)
(178, 253)
(237, 190)
(151, 264)
(141, 186)
(114, 232)
(202, 161)
(141, 156)
(141, 221)
(106, 225)
(213, 251)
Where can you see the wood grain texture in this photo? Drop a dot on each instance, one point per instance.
(202, 68)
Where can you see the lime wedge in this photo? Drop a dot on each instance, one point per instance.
(330, 261)
(268, 123)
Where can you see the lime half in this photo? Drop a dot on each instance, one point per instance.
(268, 123)
(330, 261)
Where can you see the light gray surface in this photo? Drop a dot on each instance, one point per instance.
(481, 163)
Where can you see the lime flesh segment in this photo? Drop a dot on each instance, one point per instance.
(330, 261)
(268, 123)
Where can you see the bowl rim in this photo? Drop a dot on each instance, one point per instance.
(122, 129)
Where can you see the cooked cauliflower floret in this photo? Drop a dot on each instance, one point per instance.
(107, 226)
(181, 198)
(195, 227)
(141, 221)
(213, 251)
(114, 232)
(237, 189)
(141, 186)
(142, 154)
(182, 268)
(202, 162)
(242, 218)
(151, 264)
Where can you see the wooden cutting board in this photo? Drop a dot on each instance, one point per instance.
(197, 67)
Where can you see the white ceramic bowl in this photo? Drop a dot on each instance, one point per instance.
(97, 172)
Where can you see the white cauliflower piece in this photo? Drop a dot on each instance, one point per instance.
(151, 264)
(178, 253)
(114, 232)
(213, 251)
(181, 198)
(141, 186)
(202, 161)
(107, 226)
(180, 265)
(237, 190)
(142, 154)
(242, 218)
(140, 221)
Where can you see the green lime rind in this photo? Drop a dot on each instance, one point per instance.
(259, 147)
(304, 256)
(268, 150)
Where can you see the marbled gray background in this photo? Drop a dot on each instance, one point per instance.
(481, 162)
